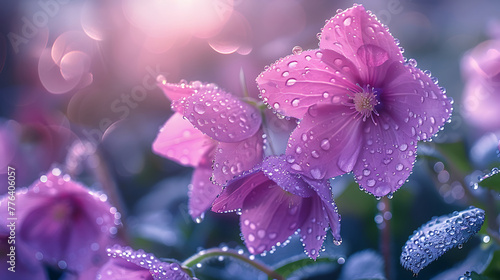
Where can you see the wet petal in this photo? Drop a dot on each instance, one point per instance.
(329, 208)
(357, 35)
(221, 115)
(232, 159)
(326, 143)
(178, 140)
(177, 91)
(294, 83)
(202, 191)
(313, 230)
(125, 262)
(233, 195)
(415, 101)
(386, 159)
(284, 215)
(277, 169)
(438, 236)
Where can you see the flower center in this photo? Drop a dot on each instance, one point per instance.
(365, 102)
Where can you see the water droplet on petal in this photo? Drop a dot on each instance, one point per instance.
(297, 50)
(291, 82)
(325, 144)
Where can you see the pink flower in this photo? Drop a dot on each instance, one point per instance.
(363, 109)
(481, 72)
(209, 126)
(275, 203)
(63, 223)
(126, 263)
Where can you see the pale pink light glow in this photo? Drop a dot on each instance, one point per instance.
(70, 41)
(235, 36)
(66, 65)
(166, 22)
(93, 20)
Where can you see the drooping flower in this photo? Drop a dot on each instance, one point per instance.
(438, 236)
(63, 223)
(275, 202)
(363, 108)
(126, 263)
(213, 131)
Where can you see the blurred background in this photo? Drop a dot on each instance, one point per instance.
(77, 91)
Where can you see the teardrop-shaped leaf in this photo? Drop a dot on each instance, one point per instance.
(438, 236)
(371, 263)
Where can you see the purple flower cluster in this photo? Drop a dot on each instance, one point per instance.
(59, 223)
(360, 106)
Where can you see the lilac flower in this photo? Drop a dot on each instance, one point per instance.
(210, 126)
(63, 223)
(126, 263)
(275, 202)
(363, 109)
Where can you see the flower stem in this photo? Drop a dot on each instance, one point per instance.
(216, 252)
(385, 235)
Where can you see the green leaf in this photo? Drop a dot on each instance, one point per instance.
(296, 264)
(493, 269)
(491, 180)
(475, 276)
(456, 153)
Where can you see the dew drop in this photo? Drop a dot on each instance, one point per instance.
(199, 108)
(316, 173)
(296, 102)
(347, 21)
(370, 182)
(291, 82)
(399, 167)
(251, 237)
(325, 144)
(297, 50)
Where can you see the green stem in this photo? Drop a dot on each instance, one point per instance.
(216, 252)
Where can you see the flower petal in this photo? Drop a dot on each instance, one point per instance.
(326, 143)
(277, 169)
(438, 236)
(177, 91)
(324, 192)
(125, 259)
(232, 159)
(284, 213)
(294, 83)
(202, 192)
(357, 35)
(178, 140)
(233, 195)
(221, 115)
(386, 159)
(313, 229)
(415, 101)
